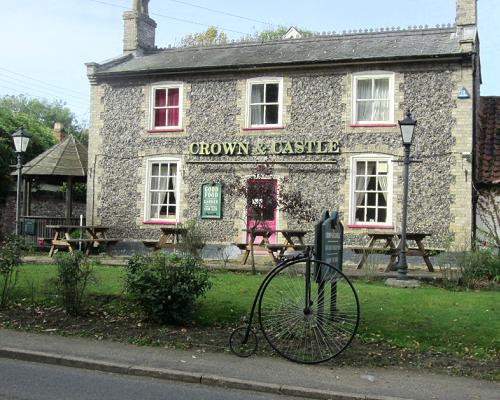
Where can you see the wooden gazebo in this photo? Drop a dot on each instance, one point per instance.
(64, 162)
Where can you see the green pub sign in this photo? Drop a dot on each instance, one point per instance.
(211, 201)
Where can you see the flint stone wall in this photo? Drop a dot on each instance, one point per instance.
(317, 111)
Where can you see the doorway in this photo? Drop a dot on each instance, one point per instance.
(262, 206)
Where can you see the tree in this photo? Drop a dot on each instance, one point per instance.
(46, 113)
(208, 37)
(38, 117)
(262, 197)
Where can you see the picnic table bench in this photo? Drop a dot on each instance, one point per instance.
(293, 240)
(392, 249)
(62, 237)
(171, 236)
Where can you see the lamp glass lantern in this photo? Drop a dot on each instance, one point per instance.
(407, 127)
(21, 139)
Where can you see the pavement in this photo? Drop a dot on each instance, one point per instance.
(260, 374)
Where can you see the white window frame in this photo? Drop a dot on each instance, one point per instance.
(147, 195)
(352, 194)
(372, 75)
(171, 85)
(264, 80)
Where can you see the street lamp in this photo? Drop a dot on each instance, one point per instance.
(407, 127)
(21, 139)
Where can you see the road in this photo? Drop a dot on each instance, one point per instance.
(20, 380)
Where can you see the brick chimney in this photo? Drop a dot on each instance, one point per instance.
(139, 29)
(58, 134)
(466, 22)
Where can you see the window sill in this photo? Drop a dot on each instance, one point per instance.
(367, 226)
(166, 130)
(160, 223)
(373, 125)
(263, 128)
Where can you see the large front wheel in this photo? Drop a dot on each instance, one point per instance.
(311, 333)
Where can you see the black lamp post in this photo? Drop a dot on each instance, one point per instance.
(407, 126)
(21, 139)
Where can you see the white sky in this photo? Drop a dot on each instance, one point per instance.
(44, 44)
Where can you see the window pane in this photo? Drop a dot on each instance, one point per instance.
(360, 183)
(153, 212)
(381, 110)
(372, 183)
(257, 115)
(160, 117)
(382, 215)
(360, 214)
(154, 183)
(160, 97)
(360, 168)
(171, 183)
(370, 215)
(154, 169)
(364, 89)
(272, 114)
(372, 198)
(272, 92)
(257, 93)
(382, 200)
(155, 198)
(364, 110)
(381, 88)
(173, 170)
(173, 117)
(163, 212)
(173, 97)
(382, 168)
(171, 198)
(372, 168)
(171, 211)
(164, 170)
(163, 183)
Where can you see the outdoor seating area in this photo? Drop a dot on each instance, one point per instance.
(388, 243)
(92, 237)
(293, 240)
(170, 237)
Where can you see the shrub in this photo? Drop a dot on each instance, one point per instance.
(10, 260)
(479, 268)
(165, 286)
(193, 241)
(74, 272)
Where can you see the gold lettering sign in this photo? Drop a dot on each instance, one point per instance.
(275, 148)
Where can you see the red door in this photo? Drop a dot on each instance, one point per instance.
(262, 206)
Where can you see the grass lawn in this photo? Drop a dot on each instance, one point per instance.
(423, 319)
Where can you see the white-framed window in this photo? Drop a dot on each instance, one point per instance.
(373, 98)
(162, 190)
(166, 106)
(371, 190)
(264, 102)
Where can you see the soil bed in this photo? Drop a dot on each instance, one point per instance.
(107, 319)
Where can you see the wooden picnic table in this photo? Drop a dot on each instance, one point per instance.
(170, 236)
(62, 237)
(293, 239)
(391, 242)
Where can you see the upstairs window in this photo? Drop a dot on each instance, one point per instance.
(264, 102)
(371, 191)
(373, 99)
(162, 191)
(167, 107)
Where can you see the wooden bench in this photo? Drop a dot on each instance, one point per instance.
(156, 245)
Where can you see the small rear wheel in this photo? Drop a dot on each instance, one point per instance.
(310, 333)
(237, 339)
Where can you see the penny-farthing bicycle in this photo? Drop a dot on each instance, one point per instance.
(308, 311)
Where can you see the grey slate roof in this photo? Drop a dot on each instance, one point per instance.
(321, 49)
(67, 158)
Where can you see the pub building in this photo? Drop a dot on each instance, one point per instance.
(322, 110)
